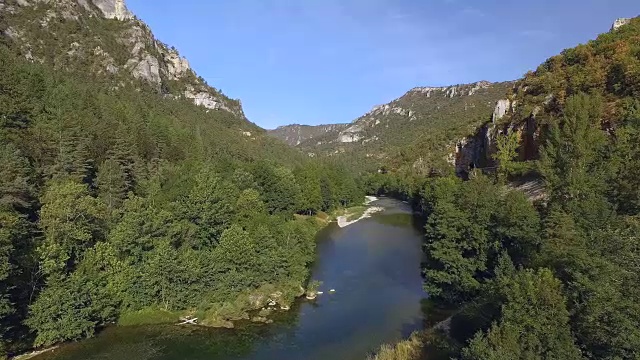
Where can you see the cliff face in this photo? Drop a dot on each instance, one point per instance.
(104, 38)
(538, 98)
(607, 66)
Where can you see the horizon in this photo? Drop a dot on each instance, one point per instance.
(330, 62)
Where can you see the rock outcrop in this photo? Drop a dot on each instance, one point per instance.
(620, 23)
(471, 152)
(351, 134)
(111, 9)
(149, 61)
(501, 109)
(147, 69)
(177, 66)
(452, 91)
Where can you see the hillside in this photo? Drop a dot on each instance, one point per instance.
(552, 276)
(423, 127)
(607, 66)
(296, 134)
(73, 36)
(131, 191)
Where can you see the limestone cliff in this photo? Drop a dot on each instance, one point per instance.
(607, 63)
(104, 38)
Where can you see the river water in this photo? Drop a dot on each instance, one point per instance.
(374, 267)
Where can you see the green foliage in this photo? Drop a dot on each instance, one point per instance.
(574, 163)
(112, 184)
(117, 201)
(148, 317)
(534, 322)
(208, 209)
(506, 155)
(72, 222)
(469, 224)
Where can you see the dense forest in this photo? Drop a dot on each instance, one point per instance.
(555, 278)
(120, 205)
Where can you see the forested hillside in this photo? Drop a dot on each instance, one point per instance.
(122, 203)
(556, 278)
(416, 132)
(296, 134)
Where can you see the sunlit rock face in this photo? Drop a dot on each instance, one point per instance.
(148, 61)
(620, 23)
(112, 9)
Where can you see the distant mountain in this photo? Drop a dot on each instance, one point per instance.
(427, 120)
(296, 134)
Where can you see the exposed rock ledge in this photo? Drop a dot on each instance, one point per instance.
(620, 23)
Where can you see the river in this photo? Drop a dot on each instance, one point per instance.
(374, 267)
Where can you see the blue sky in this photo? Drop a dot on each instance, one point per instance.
(330, 61)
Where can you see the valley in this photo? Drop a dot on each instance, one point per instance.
(144, 216)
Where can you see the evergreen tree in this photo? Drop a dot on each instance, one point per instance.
(311, 192)
(112, 184)
(506, 155)
(16, 189)
(534, 323)
(573, 162)
(249, 209)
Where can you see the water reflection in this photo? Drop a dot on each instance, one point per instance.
(374, 265)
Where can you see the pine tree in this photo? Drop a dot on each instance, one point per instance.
(534, 323)
(573, 163)
(16, 190)
(112, 184)
(311, 192)
(506, 155)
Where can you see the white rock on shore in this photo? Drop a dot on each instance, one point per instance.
(369, 199)
(342, 220)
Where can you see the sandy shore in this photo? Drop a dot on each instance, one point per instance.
(342, 220)
(369, 199)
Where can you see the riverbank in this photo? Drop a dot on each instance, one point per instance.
(346, 220)
(432, 344)
(354, 214)
(435, 342)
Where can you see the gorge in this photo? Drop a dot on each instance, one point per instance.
(135, 196)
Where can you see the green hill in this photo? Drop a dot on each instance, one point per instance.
(132, 191)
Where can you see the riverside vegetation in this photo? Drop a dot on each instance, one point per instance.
(554, 279)
(122, 206)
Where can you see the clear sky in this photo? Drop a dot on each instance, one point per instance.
(330, 61)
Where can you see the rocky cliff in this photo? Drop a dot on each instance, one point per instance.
(605, 66)
(104, 38)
